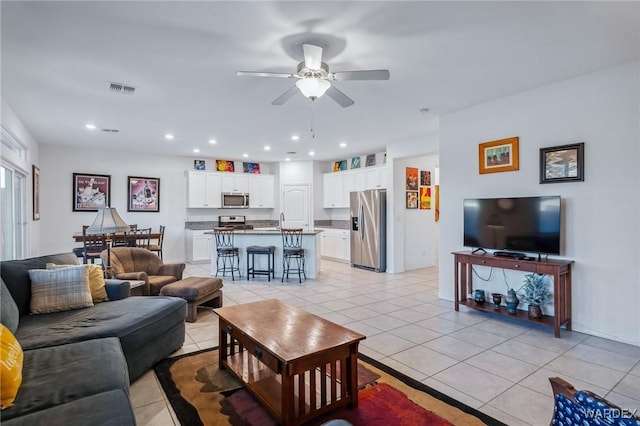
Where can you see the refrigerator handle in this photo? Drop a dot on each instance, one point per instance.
(361, 220)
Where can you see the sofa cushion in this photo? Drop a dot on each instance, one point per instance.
(15, 274)
(59, 289)
(60, 375)
(11, 367)
(9, 314)
(96, 281)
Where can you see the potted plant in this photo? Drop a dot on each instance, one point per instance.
(535, 292)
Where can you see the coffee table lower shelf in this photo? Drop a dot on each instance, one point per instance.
(267, 386)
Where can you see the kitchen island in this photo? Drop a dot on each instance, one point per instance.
(271, 237)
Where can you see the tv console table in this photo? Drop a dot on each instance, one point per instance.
(559, 269)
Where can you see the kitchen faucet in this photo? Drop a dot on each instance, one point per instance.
(281, 220)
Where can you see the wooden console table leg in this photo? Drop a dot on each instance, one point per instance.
(456, 285)
(567, 297)
(559, 311)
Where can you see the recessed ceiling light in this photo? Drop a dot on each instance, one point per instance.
(312, 153)
(245, 155)
(287, 159)
(196, 150)
(267, 147)
(168, 136)
(90, 126)
(213, 141)
(343, 145)
(295, 137)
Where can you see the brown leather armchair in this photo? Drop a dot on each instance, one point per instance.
(132, 263)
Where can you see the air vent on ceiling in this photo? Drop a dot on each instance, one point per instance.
(110, 130)
(121, 88)
(291, 153)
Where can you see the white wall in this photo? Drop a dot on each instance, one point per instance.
(600, 215)
(14, 125)
(418, 227)
(401, 252)
(59, 222)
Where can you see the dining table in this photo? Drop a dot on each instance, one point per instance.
(130, 237)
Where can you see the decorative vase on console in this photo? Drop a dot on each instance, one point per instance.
(479, 297)
(497, 300)
(512, 301)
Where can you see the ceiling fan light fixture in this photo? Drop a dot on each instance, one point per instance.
(313, 88)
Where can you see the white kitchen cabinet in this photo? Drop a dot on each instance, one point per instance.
(235, 182)
(375, 177)
(262, 191)
(334, 191)
(203, 190)
(338, 185)
(335, 244)
(198, 246)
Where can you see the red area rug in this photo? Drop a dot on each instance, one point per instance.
(201, 394)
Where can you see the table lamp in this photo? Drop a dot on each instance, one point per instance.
(108, 221)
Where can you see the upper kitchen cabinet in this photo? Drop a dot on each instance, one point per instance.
(262, 191)
(375, 177)
(334, 191)
(338, 185)
(235, 182)
(203, 190)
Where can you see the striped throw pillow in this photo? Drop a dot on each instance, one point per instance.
(59, 289)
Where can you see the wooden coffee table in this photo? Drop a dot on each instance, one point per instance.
(297, 364)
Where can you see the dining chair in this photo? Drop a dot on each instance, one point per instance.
(157, 248)
(120, 239)
(92, 246)
(142, 237)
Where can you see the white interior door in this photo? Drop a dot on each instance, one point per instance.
(296, 206)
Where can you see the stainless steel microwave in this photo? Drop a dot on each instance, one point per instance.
(235, 200)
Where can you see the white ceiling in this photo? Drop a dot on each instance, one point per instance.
(57, 58)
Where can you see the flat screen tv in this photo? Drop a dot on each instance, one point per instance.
(523, 224)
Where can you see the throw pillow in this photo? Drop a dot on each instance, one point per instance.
(11, 369)
(96, 281)
(9, 314)
(59, 289)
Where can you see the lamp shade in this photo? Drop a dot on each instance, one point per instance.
(107, 221)
(313, 87)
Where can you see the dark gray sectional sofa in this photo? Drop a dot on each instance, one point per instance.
(78, 364)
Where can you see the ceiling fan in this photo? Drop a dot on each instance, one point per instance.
(314, 78)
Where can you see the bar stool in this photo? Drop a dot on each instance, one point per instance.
(292, 251)
(251, 267)
(226, 251)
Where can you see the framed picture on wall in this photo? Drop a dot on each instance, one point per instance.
(225, 166)
(143, 194)
(36, 192)
(425, 198)
(412, 199)
(411, 175)
(498, 156)
(564, 163)
(91, 192)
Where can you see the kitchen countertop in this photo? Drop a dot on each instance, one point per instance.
(266, 231)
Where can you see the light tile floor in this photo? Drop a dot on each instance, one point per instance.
(496, 365)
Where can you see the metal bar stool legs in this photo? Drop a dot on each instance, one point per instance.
(226, 252)
(251, 264)
(292, 250)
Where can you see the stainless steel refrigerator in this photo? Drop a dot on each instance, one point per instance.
(368, 212)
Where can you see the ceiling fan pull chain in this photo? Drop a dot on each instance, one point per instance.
(313, 133)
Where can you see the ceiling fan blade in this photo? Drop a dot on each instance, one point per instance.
(285, 96)
(264, 74)
(312, 56)
(342, 99)
(361, 75)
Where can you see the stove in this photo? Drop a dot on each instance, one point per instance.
(236, 222)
